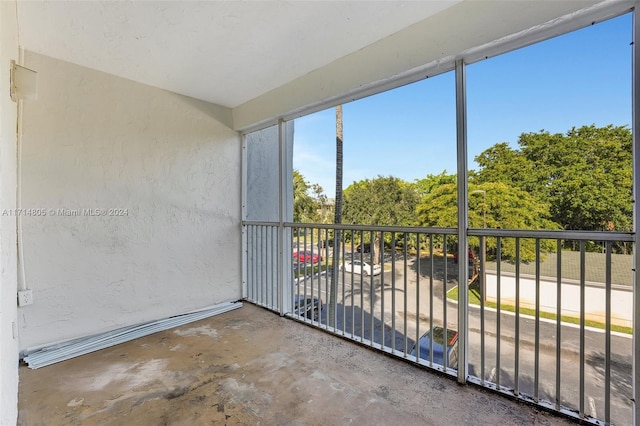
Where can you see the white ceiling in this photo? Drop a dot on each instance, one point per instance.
(271, 59)
(225, 52)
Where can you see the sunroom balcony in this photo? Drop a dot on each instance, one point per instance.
(149, 175)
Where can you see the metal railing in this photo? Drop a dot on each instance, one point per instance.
(549, 316)
(261, 264)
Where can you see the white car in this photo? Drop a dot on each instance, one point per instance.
(362, 268)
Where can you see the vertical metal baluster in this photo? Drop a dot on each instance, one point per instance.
(252, 274)
(405, 294)
(265, 266)
(258, 265)
(298, 264)
(393, 292)
(341, 274)
(516, 379)
(313, 269)
(320, 252)
(382, 325)
(324, 270)
(558, 321)
(305, 307)
(251, 262)
(607, 356)
(536, 379)
(263, 256)
(275, 298)
(256, 250)
(277, 284)
(343, 240)
(444, 304)
(256, 294)
(362, 285)
(483, 277)
(498, 310)
(353, 318)
(315, 283)
(294, 282)
(371, 293)
(431, 294)
(326, 276)
(418, 239)
(270, 270)
(274, 268)
(582, 324)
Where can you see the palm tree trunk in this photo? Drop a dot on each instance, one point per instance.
(337, 219)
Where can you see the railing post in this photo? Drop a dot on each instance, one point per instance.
(244, 235)
(635, 110)
(463, 216)
(284, 167)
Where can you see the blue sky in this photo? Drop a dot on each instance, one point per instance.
(581, 78)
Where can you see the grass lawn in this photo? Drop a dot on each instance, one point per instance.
(621, 266)
(474, 299)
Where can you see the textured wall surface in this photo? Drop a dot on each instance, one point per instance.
(8, 279)
(263, 180)
(262, 175)
(95, 141)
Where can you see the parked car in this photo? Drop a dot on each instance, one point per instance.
(310, 307)
(436, 336)
(469, 253)
(325, 243)
(367, 246)
(364, 248)
(362, 268)
(306, 257)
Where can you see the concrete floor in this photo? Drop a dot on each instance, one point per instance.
(249, 367)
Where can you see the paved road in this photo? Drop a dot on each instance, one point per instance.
(401, 315)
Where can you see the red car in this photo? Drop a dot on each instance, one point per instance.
(470, 252)
(306, 257)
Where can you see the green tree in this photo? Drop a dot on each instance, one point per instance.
(503, 207)
(303, 205)
(431, 182)
(380, 201)
(324, 208)
(584, 175)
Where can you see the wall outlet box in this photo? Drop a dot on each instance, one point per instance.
(25, 297)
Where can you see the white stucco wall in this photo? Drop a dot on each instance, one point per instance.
(8, 280)
(595, 296)
(96, 141)
(262, 174)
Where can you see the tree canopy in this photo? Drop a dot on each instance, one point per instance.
(380, 201)
(584, 175)
(578, 180)
(499, 204)
(304, 207)
(431, 182)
